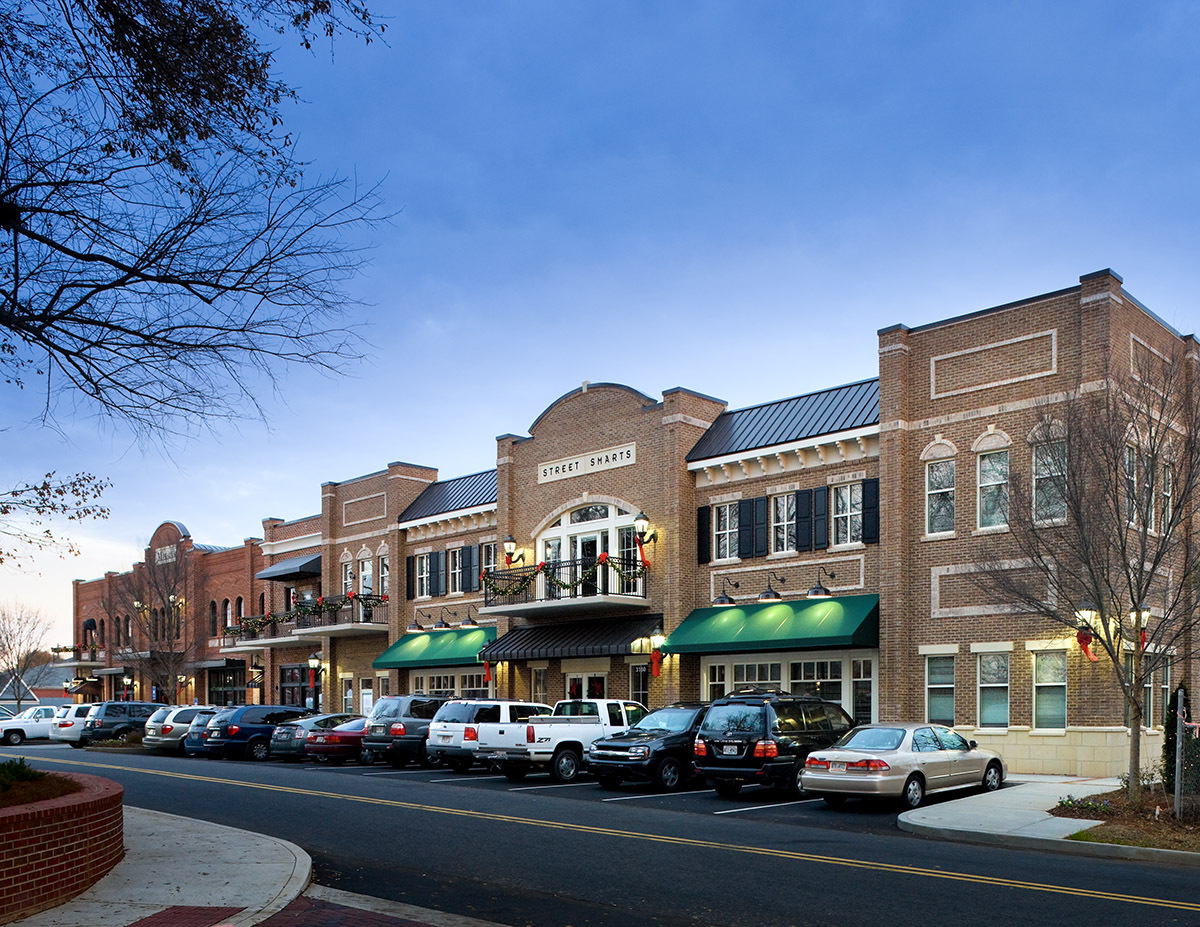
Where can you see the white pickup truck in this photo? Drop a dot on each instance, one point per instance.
(31, 723)
(559, 741)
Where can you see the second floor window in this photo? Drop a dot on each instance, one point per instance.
(1131, 493)
(1050, 483)
(366, 578)
(423, 589)
(725, 530)
(993, 489)
(487, 556)
(384, 576)
(847, 514)
(783, 522)
(939, 497)
(454, 577)
(347, 578)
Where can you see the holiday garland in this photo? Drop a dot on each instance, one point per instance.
(511, 588)
(316, 606)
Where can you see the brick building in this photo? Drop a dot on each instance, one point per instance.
(671, 548)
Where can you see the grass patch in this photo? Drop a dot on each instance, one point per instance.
(1149, 824)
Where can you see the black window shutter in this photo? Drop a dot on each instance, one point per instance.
(746, 529)
(820, 517)
(410, 577)
(703, 534)
(469, 577)
(804, 520)
(437, 572)
(870, 511)
(761, 525)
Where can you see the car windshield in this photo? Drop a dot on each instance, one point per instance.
(668, 720)
(724, 719)
(872, 738)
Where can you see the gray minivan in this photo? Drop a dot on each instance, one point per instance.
(167, 727)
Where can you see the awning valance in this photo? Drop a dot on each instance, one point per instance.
(612, 637)
(455, 647)
(307, 567)
(801, 624)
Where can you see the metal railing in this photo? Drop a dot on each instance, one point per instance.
(564, 580)
(349, 613)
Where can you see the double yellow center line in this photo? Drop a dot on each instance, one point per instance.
(892, 868)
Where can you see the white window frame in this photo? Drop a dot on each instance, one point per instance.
(422, 575)
(454, 577)
(862, 680)
(347, 694)
(473, 685)
(1006, 686)
(366, 576)
(1054, 458)
(981, 486)
(844, 521)
(941, 491)
(441, 684)
(487, 556)
(940, 687)
(1167, 503)
(783, 522)
(727, 532)
(385, 576)
(715, 678)
(538, 684)
(635, 693)
(1040, 687)
(1129, 468)
(347, 577)
(772, 676)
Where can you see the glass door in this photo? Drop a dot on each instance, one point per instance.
(585, 550)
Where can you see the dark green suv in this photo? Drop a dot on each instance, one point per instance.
(763, 736)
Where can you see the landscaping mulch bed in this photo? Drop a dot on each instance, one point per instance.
(1150, 824)
(50, 786)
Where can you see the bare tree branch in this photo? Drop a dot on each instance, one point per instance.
(23, 633)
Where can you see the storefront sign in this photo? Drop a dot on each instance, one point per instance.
(608, 459)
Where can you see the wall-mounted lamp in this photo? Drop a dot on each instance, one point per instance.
(510, 551)
(724, 599)
(442, 624)
(314, 662)
(769, 594)
(67, 683)
(470, 622)
(414, 627)
(819, 591)
(1087, 614)
(641, 525)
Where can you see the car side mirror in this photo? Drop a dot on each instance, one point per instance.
(972, 744)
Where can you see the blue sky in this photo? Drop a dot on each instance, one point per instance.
(731, 197)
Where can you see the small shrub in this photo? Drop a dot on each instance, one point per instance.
(14, 771)
(1090, 805)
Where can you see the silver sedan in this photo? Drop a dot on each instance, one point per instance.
(904, 761)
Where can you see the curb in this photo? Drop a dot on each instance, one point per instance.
(1053, 845)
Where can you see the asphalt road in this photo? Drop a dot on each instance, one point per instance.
(541, 854)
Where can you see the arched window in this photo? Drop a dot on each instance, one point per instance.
(262, 603)
(241, 609)
(212, 619)
(227, 613)
(576, 540)
(128, 631)
(101, 632)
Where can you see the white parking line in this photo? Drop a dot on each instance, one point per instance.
(564, 785)
(399, 772)
(655, 795)
(779, 804)
(467, 779)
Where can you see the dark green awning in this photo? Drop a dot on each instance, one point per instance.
(456, 647)
(801, 624)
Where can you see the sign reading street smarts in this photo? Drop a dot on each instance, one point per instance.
(609, 459)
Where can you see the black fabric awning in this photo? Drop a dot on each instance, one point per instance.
(607, 638)
(308, 567)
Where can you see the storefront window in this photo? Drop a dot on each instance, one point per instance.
(587, 686)
(538, 685)
(639, 683)
(818, 677)
(862, 671)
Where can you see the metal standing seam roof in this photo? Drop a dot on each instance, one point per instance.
(462, 492)
(598, 638)
(855, 405)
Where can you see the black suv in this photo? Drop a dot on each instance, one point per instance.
(245, 731)
(398, 726)
(116, 720)
(763, 736)
(658, 749)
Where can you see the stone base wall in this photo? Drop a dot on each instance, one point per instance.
(1099, 752)
(52, 850)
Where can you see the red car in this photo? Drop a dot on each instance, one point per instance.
(341, 743)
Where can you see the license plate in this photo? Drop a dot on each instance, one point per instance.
(444, 738)
(729, 751)
(837, 767)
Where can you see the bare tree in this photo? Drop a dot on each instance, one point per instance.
(23, 633)
(1100, 533)
(25, 508)
(152, 629)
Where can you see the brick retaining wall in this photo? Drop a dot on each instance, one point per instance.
(52, 850)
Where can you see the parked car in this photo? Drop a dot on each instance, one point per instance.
(397, 726)
(116, 720)
(288, 740)
(197, 733)
(32, 723)
(905, 761)
(657, 749)
(5, 712)
(245, 731)
(340, 743)
(68, 724)
(454, 733)
(559, 741)
(763, 736)
(167, 727)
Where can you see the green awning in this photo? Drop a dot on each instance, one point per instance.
(456, 647)
(801, 624)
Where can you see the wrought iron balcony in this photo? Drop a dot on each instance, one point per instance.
(563, 586)
(343, 616)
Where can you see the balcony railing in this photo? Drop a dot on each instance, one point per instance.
(252, 628)
(350, 613)
(565, 580)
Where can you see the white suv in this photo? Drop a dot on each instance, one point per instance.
(454, 730)
(31, 723)
(68, 724)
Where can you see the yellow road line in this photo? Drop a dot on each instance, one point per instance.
(892, 868)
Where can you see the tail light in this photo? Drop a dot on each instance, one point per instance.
(232, 730)
(700, 748)
(333, 738)
(815, 762)
(530, 737)
(66, 723)
(312, 738)
(766, 749)
(204, 734)
(469, 733)
(869, 765)
(397, 729)
(167, 728)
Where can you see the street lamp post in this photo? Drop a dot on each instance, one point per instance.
(128, 681)
(314, 674)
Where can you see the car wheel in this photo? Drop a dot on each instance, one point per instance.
(76, 744)
(366, 757)
(431, 760)
(514, 773)
(795, 784)
(914, 792)
(609, 782)
(992, 777)
(459, 766)
(668, 775)
(14, 738)
(258, 750)
(396, 761)
(564, 765)
(727, 788)
(834, 801)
